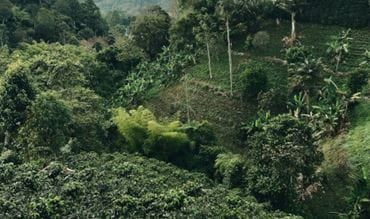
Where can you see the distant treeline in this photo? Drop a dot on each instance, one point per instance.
(130, 6)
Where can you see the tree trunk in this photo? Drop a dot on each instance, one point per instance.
(293, 34)
(187, 98)
(209, 61)
(230, 57)
(338, 58)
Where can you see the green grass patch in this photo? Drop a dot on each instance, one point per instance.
(312, 35)
(358, 140)
(276, 72)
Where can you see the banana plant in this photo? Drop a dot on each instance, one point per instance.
(299, 105)
(339, 47)
(365, 58)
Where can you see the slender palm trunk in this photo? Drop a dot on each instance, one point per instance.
(187, 98)
(209, 61)
(230, 56)
(339, 58)
(293, 34)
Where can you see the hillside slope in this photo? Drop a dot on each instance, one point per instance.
(116, 186)
(229, 113)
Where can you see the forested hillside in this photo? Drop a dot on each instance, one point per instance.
(50, 21)
(199, 109)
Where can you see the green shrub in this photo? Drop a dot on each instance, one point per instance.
(261, 39)
(254, 80)
(205, 159)
(48, 123)
(167, 143)
(273, 100)
(9, 156)
(306, 76)
(133, 126)
(48, 207)
(201, 133)
(279, 150)
(296, 54)
(231, 169)
(358, 80)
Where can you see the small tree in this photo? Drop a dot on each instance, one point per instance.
(254, 81)
(284, 158)
(16, 94)
(306, 76)
(226, 9)
(292, 7)
(150, 31)
(231, 169)
(338, 48)
(48, 122)
(206, 35)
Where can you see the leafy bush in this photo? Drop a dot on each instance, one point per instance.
(261, 39)
(9, 156)
(329, 113)
(150, 30)
(296, 54)
(338, 48)
(306, 76)
(87, 118)
(133, 126)
(231, 169)
(205, 159)
(168, 143)
(48, 123)
(280, 150)
(117, 61)
(358, 80)
(201, 133)
(254, 80)
(274, 100)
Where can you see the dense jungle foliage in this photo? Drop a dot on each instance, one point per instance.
(184, 109)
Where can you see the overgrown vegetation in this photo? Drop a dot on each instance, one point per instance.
(203, 109)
